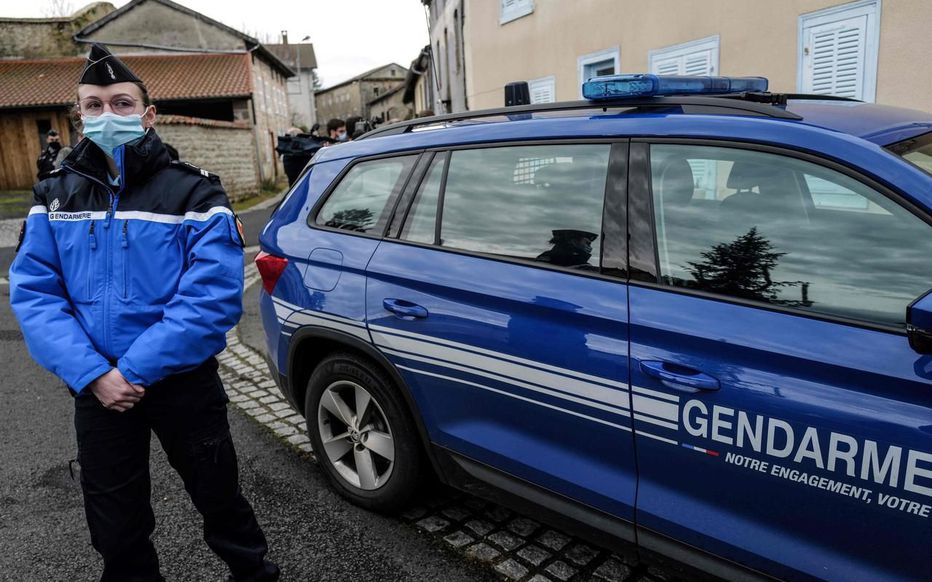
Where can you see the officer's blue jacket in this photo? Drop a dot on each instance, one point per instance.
(146, 276)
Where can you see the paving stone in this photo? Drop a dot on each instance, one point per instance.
(269, 399)
(482, 552)
(283, 429)
(498, 514)
(256, 394)
(581, 554)
(612, 571)
(511, 569)
(534, 555)
(540, 578)
(254, 411)
(248, 404)
(455, 513)
(523, 526)
(280, 406)
(268, 384)
(479, 526)
(553, 540)
(505, 540)
(307, 448)
(561, 570)
(458, 539)
(298, 439)
(266, 418)
(238, 398)
(283, 414)
(433, 523)
(295, 419)
(413, 513)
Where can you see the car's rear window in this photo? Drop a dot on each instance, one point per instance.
(917, 150)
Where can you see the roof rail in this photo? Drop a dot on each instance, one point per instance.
(760, 104)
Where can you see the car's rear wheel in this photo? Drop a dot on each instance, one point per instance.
(362, 434)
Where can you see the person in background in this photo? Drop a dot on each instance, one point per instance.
(128, 274)
(336, 129)
(46, 162)
(351, 130)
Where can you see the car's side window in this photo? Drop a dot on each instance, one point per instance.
(784, 231)
(360, 201)
(422, 217)
(540, 203)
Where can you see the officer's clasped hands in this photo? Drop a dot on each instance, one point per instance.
(115, 393)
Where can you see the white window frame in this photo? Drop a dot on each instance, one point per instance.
(550, 81)
(613, 53)
(711, 43)
(872, 8)
(518, 9)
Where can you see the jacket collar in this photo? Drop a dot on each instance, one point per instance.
(140, 160)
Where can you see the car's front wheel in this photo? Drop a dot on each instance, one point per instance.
(362, 434)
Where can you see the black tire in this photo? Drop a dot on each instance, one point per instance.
(408, 467)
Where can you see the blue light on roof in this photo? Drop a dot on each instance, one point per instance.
(620, 86)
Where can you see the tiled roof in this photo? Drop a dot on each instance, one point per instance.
(169, 77)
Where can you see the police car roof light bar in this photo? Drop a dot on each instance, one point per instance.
(641, 85)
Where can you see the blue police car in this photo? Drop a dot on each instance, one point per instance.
(685, 317)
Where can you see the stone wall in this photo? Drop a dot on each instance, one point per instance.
(221, 147)
(42, 38)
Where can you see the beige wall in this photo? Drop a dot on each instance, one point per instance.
(757, 37)
(272, 118)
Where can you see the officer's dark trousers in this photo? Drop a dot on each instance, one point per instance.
(188, 414)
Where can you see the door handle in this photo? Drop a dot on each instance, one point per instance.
(679, 377)
(404, 309)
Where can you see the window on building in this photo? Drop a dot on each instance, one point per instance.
(699, 57)
(786, 232)
(838, 50)
(543, 90)
(557, 219)
(606, 62)
(514, 9)
(360, 202)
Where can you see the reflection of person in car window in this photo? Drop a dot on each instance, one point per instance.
(570, 248)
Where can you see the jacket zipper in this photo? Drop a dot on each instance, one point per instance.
(93, 244)
(124, 242)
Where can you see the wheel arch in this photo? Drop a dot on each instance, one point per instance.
(309, 345)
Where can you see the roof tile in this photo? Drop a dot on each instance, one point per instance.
(169, 77)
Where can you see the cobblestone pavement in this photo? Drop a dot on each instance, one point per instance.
(9, 231)
(516, 546)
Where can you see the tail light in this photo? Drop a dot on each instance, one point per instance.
(270, 269)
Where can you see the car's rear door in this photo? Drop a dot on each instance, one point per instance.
(782, 421)
(498, 304)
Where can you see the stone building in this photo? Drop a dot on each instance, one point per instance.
(866, 49)
(301, 59)
(353, 96)
(390, 106)
(42, 38)
(215, 89)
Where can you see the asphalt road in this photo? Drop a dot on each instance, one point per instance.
(313, 533)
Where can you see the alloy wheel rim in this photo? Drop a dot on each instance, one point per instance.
(356, 436)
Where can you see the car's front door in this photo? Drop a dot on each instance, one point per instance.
(505, 322)
(782, 420)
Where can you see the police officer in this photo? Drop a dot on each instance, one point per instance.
(128, 275)
(46, 161)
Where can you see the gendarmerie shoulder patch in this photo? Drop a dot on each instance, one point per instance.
(194, 169)
(22, 237)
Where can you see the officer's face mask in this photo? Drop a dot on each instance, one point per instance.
(109, 131)
(342, 136)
